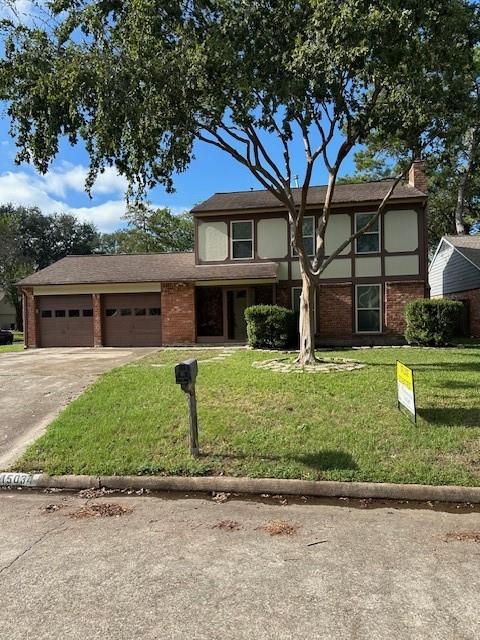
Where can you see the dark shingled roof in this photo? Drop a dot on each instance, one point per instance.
(148, 267)
(343, 194)
(468, 246)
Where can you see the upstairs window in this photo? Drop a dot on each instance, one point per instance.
(242, 240)
(308, 237)
(369, 242)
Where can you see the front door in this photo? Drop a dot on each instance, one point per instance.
(237, 302)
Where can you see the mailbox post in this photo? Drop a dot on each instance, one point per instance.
(185, 376)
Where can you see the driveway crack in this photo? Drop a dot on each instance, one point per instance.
(32, 545)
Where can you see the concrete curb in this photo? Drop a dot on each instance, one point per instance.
(317, 488)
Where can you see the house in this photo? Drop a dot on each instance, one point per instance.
(7, 312)
(243, 256)
(455, 273)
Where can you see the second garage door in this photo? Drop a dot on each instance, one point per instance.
(132, 320)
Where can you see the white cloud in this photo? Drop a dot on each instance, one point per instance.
(49, 194)
(72, 177)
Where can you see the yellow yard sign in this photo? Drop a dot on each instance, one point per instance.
(406, 389)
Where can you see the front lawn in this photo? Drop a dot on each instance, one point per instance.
(337, 426)
(6, 348)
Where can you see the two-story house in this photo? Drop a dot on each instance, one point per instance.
(243, 256)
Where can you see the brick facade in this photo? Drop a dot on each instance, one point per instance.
(178, 313)
(473, 297)
(97, 320)
(334, 311)
(30, 319)
(397, 294)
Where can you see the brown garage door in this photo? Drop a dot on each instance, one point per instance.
(132, 320)
(66, 321)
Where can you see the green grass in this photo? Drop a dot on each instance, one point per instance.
(173, 356)
(337, 426)
(7, 348)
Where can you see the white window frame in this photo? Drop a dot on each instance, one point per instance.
(367, 233)
(314, 305)
(232, 222)
(314, 236)
(357, 309)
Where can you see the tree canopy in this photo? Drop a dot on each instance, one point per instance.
(142, 81)
(30, 240)
(150, 230)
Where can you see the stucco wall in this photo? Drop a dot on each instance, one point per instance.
(401, 231)
(272, 239)
(213, 241)
(338, 230)
(401, 266)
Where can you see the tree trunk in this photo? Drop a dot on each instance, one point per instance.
(307, 323)
(459, 208)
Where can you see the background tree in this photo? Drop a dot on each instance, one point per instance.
(141, 82)
(151, 230)
(452, 169)
(30, 240)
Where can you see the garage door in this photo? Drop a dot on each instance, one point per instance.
(132, 320)
(66, 321)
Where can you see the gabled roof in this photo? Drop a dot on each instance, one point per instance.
(467, 246)
(361, 192)
(148, 267)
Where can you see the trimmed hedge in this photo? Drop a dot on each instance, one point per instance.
(269, 326)
(432, 322)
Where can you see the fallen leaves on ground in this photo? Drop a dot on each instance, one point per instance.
(51, 508)
(89, 494)
(103, 510)
(464, 536)
(280, 528)
(220, 497)
(227, 525)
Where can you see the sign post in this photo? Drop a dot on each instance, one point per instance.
(406, 390)
(185, 376)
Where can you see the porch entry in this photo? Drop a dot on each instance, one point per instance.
(221, 311)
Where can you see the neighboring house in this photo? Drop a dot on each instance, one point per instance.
(243, 256)
(455, 273)
(7, 312)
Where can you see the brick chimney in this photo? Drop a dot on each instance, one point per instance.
(417, 177)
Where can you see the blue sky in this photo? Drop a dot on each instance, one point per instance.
(62, 188)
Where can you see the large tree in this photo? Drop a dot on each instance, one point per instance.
(30, 240)
(151, 230)
(142, 81)
(452, 168)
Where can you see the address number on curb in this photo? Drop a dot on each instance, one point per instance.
(19, 479)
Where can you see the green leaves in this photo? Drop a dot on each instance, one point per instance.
(141, 80)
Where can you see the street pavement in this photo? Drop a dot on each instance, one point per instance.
(197, 568)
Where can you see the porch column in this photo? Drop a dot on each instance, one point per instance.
(97, 320)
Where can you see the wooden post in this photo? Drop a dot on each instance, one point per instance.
(192, 404)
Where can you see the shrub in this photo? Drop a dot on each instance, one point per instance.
(432, 322)
(269, 326)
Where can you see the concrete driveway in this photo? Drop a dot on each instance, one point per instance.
(175, 569)
(36, 384)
